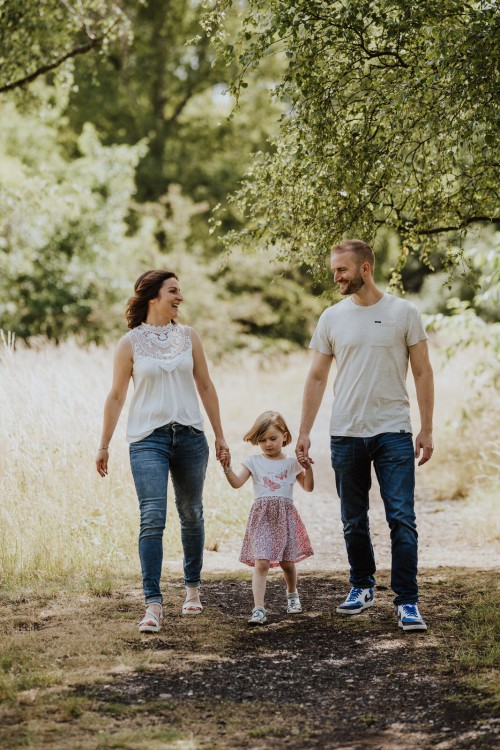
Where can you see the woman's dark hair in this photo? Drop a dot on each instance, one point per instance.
(147, 287)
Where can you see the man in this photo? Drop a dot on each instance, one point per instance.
(372, 335)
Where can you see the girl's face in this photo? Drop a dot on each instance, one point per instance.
(271, 442)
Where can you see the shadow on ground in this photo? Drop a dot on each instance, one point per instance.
(316, 680)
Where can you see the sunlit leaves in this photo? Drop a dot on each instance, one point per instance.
(38, 35)
(392, 122)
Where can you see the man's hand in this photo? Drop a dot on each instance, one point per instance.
(302, 451)
(423, 443)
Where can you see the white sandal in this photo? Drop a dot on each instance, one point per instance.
(192, 609)
(151, 622)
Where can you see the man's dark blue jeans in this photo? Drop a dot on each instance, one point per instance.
(393, 458)
(180, 451)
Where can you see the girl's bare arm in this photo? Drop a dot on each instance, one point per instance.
(237, 480)
(306, 479)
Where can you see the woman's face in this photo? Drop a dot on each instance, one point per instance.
(169, 298)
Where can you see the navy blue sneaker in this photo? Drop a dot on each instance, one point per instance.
(409, 618)
(357, 600)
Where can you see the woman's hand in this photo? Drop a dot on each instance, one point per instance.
(222, 452)
(101, 461)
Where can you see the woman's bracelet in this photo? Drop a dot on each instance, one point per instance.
(229, 468)
(103, 449)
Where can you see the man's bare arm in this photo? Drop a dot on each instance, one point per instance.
(314, 389)
(424, 385)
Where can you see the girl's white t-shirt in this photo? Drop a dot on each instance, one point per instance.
(273, 478)
(164, 387)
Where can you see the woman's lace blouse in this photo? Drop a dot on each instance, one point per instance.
(164, 387)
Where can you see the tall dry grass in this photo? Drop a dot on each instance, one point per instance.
(59, 518)
(466, 460)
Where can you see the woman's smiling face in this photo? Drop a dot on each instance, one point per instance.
(169, 298)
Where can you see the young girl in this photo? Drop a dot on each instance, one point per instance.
(275, 534)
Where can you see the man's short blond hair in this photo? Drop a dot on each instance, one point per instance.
(362, 252)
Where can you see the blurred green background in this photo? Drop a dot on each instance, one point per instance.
(118, 140)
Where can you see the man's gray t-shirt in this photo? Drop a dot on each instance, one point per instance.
(370, 346)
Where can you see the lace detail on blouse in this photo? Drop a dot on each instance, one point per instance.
(165, 345)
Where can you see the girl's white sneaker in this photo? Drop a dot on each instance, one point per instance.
(258, 616)
(293, 603)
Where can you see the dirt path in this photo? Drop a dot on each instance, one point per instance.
(89, 681)
(311, 681)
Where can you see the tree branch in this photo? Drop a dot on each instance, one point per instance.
(82, 49)
(462, 225)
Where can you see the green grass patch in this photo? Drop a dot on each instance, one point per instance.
(476, 641)
(137, 739)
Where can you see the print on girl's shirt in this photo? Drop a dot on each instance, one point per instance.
(283, 475)
(270, 484)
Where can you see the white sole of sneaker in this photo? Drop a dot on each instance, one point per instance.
(422, 628)
(356, 611)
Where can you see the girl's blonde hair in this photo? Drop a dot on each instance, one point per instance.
(261, 425)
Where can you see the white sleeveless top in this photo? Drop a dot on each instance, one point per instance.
(164, 388)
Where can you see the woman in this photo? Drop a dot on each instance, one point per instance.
(165, 430)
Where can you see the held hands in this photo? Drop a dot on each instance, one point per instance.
(306, 463)
(423, 442)
(222, 453)
(302, 452)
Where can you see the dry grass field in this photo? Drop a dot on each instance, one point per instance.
(58, 518)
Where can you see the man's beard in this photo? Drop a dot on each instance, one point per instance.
(353, 286)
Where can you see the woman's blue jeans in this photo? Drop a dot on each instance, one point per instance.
(182, 452)
(393, 458)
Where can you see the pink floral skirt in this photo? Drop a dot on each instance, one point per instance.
(275, 532)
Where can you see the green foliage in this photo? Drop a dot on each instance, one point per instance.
(73, 238)
(37, 36)
(438, 296)
(148, 110)
(167, 86)
(392, 121)
(64, 238)
(249, 302)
